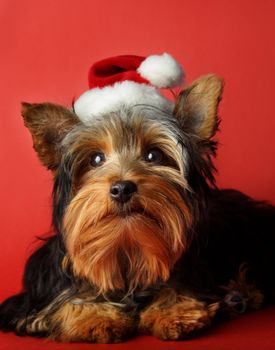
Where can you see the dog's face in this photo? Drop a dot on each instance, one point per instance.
(128, 184)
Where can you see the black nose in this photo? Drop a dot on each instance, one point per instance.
(122, 191)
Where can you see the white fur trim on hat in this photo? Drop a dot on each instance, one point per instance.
(100, 101)
(162, 71)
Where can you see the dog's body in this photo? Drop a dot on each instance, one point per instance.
(144, 241)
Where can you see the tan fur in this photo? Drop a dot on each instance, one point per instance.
(98, 323)
(196, 106)
(172, 316)
(100, 242)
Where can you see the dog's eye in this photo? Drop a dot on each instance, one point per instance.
(154, 155)
(97, 159)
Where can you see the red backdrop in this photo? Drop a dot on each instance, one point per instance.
(47, 48)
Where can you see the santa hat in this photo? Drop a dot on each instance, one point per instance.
(128, 81)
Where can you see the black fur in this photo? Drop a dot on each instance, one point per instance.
(233, 230)
(43, 280)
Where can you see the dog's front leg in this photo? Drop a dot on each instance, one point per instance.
(173, 316)
(95, 322)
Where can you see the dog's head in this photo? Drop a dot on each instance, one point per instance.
(128, 185)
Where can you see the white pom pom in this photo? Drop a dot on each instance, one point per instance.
(162, 71)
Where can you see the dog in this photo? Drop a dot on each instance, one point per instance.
(144, 240)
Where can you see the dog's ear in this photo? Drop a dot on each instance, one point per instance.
(196, 106)
(48, 124)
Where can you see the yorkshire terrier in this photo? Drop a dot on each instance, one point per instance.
(144, 240)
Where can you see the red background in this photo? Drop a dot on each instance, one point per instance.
(47, 48)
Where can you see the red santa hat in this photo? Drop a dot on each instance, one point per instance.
(128, 81)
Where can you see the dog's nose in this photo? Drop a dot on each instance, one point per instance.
(122, 191)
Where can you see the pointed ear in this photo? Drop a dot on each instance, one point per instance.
(196, 106)
(48, 124)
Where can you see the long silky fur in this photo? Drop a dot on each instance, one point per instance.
(222, 230)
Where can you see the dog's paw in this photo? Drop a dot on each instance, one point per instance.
(182, 320)
(183, 323)
(105, 330)
(100, 330)
(93, 323)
